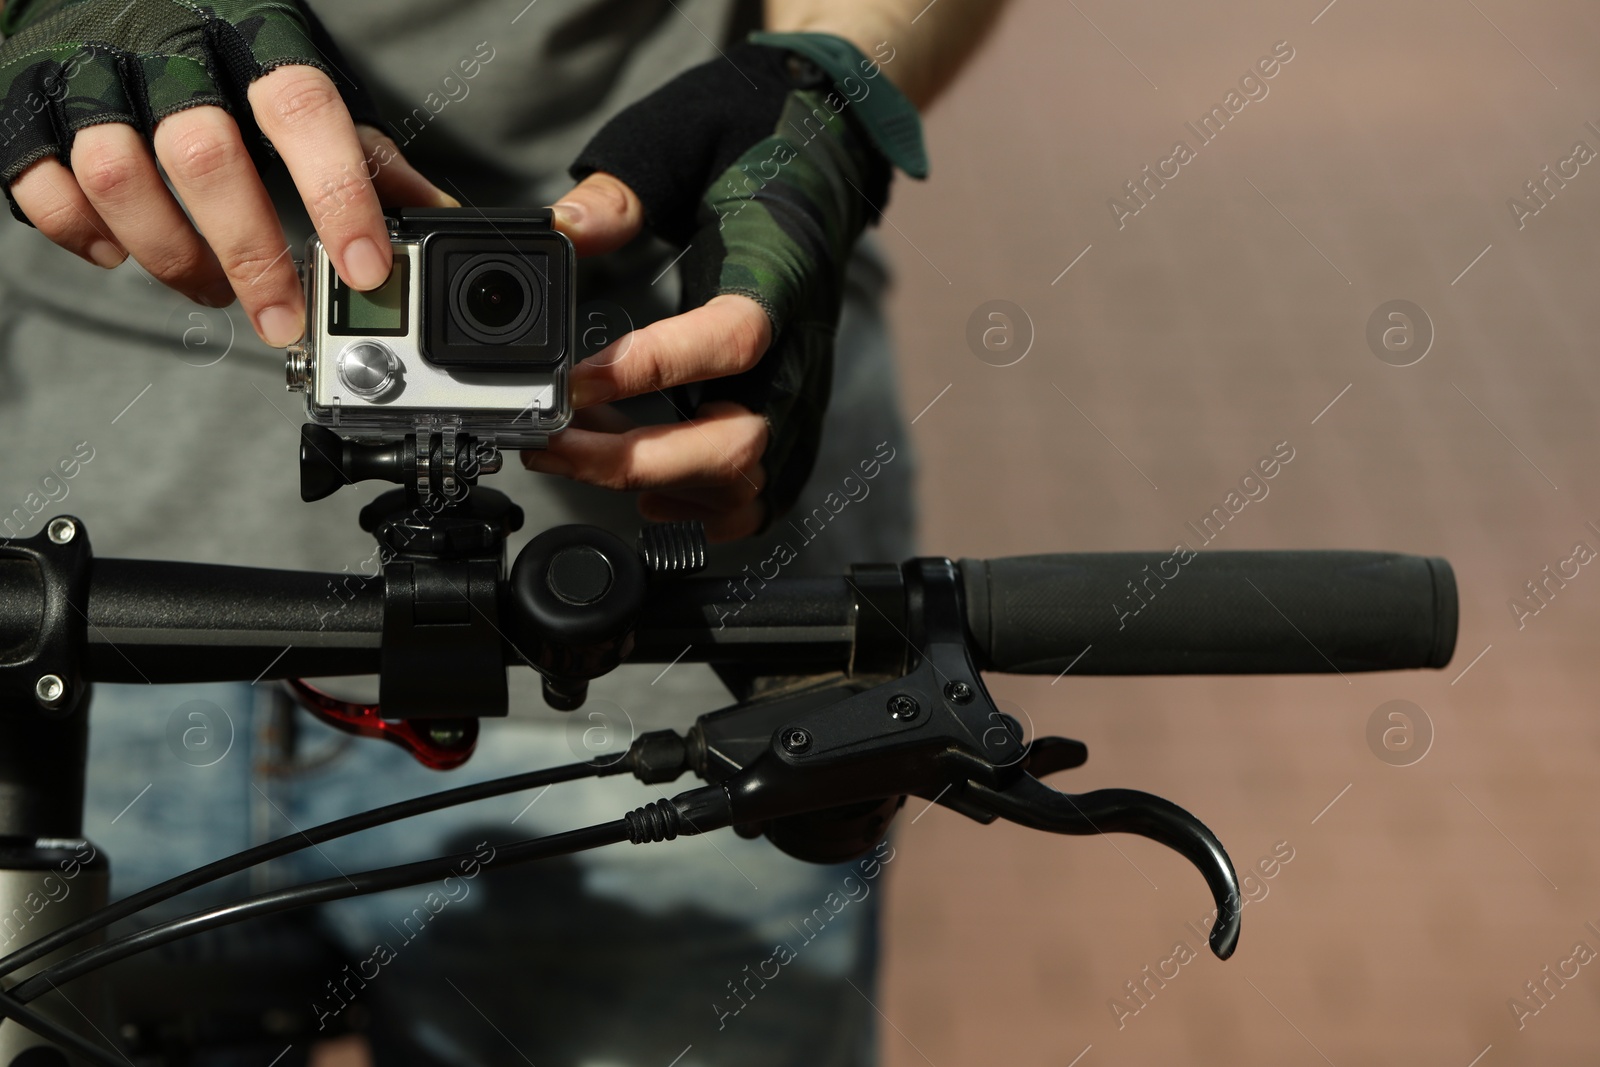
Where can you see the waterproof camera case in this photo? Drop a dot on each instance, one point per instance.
(472, 333)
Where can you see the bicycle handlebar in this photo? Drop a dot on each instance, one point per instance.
(1112, 613)
(819, 769)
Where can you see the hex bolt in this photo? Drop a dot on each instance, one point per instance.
(50, 691)
(796, 741)
(447, 736)
(958, 692)
(903, 707)
(63, 530)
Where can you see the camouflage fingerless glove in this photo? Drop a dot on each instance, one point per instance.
(69, 64)
(766, 165)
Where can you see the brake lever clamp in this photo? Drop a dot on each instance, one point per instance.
(442, 744)
(839, 759)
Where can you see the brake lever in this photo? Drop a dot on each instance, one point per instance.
(1029, 802)
(828, 759)
(1047, 755)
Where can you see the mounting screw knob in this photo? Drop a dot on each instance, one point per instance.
(796, 741)
(297, 367)
(903, 707)
(958, 692)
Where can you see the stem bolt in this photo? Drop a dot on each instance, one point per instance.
(903, 707)
(958, 692)
(50, 691)
(796, 742)
(63, 530)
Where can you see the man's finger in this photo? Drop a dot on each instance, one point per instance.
(721, 449)
(397, 182)
(50, 196)
(113, 165)
(605, 418)
(302, 114)
(601, 419)
(600, 215)
(727, 336)
(211, 169)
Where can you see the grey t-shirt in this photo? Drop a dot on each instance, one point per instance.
(545, 75)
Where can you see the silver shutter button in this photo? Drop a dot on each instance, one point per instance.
(368, 368)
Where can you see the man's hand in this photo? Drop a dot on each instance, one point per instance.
(708, 468)
(758, 167)
(111, 202)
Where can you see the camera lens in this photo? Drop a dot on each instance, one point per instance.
(495, 298)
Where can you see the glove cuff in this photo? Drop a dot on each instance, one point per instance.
(708, 117)
(888, 119)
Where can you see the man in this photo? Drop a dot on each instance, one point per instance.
(626, 956)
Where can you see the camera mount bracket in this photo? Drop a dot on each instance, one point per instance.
(443, 561)
(434, 464)
(442, 541)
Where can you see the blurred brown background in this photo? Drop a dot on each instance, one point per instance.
(1221, 320)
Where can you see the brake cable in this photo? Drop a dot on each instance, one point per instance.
(700, 809)
(48, 1028)
(283, 846)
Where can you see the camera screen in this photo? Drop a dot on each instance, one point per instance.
(380, 312)
(380, 308)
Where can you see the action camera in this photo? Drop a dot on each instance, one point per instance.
(472, 333)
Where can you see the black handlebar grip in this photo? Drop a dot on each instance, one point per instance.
(1210, 612)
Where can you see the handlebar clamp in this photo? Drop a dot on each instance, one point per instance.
(41, 666)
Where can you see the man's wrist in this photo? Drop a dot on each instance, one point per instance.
(870, 32)
(933, 41)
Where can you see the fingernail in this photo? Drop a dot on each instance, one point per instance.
(587, 392)
(547, 463)
(107, 255)
(364, 265)
(570, 215)
(279, 326)
(446, 200)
